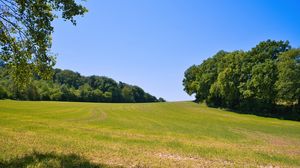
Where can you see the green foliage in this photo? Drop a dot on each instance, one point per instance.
(3, 92)
(288, 83)
(224, 90)
(198, 79)
(258, 80)
(67, 85)
(25, 36)
(161, 99)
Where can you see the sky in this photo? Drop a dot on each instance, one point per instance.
(150, 43)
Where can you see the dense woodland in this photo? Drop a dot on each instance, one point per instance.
(67, 85)
(264, 80)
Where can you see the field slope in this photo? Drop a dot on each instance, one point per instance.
(178, 134)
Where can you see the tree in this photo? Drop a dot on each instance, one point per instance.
(127, 94)
(25, 34)
(261, 84)
(269, 49)
(44, 89)
(32, 93)
(85, 92)
(3, 92)
(55, 92)
(198, 79)
(68, 77)
(96, 96)
(288, 83)
(189, 82)
(67, 85)
(259, 80)
(107, 97)
(161, 99)
(226, 86)
(68, 94)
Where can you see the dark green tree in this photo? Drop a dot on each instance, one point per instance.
(69, 77)
(3, 92)
(288, 83)
(259, 80)
(67, 85)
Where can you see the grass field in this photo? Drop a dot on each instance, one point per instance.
(178, 134)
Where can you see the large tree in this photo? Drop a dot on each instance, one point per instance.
(257, 80)
(25, 34)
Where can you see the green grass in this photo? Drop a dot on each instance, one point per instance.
(179, 134)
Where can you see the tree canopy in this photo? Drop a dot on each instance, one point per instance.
(261, 79)
(25, 34)
(67, 85)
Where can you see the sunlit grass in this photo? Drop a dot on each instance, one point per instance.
(181, 134)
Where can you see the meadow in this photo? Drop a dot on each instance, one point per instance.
(172, 134)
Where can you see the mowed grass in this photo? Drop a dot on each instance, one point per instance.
(176, 134)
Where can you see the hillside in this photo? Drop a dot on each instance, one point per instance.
(178, 134)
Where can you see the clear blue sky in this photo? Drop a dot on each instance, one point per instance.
(150, 43)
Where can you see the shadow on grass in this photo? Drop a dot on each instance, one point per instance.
(279, 111)
(50, 160)
(282, 115)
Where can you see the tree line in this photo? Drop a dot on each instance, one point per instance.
(264, 80)
(67, 85)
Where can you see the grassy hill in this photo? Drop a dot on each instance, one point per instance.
(179, 134)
